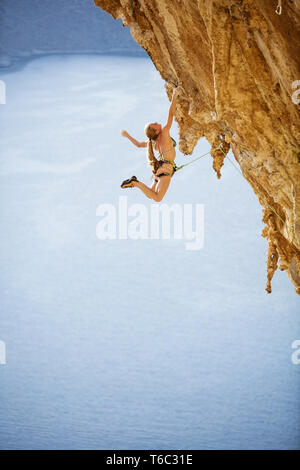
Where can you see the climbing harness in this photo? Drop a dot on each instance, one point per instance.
(176, 168)
(279, 8)
(164, 160)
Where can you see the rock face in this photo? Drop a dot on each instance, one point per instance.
(238, 64)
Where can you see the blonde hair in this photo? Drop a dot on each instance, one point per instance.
(152, 161)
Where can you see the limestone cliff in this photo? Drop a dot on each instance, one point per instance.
(238, 64)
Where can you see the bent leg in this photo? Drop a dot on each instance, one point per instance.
(157, 190)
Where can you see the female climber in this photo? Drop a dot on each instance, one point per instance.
(164, 167)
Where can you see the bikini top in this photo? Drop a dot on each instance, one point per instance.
(164, 159)
(174, 142)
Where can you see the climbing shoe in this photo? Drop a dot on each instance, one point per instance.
(127, 183)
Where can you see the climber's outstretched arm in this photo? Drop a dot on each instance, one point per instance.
(134, 141)
(143, 144)
(172, 109)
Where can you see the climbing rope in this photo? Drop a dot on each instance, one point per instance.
(192, 161)
(279, 8)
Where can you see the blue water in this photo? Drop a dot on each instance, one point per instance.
(123, 344)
